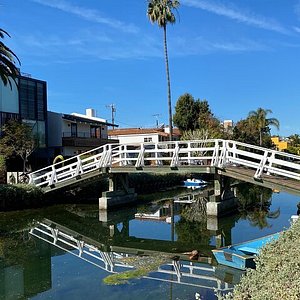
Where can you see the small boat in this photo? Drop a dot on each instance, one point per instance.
(194, 182)
(241, 256)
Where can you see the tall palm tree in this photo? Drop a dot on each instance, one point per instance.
(259, 117)
(8, 58)
(161, 12)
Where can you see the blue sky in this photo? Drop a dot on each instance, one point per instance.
(239, 55)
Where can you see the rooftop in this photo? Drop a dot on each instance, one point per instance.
(132, 131)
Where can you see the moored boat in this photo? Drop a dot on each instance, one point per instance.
(241, 256)
(194, 182)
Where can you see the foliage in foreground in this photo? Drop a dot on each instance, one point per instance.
(20, 196)
(277, 275)
(143, 265)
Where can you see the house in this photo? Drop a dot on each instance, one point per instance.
(72, 134)
(142, 135)
(280, 144)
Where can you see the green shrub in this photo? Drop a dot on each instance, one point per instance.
(20, 196)
(2, 163)
(277, 274)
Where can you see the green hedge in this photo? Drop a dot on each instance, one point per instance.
(277, 274)
(20, 196)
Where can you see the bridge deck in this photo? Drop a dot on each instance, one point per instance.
(270, 181)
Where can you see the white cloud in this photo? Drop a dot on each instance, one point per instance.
(236, 14)
(297, 9)
(297, 29)
(89, 14)
(202, 46)
(83, 47)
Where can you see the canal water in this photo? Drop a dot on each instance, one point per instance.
(74, 252)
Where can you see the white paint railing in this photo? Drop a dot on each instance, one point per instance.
(215, 152)
(185, 273)
(107, 261)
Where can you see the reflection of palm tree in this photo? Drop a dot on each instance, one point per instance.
(254, 204)
(258, 218)
(259, 117)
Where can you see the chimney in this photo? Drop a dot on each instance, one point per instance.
(90, 112)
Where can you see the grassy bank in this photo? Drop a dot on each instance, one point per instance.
(277, 275)
(19, 196)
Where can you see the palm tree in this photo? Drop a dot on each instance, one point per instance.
(259, 117)
(295, 139)
(8, 58)
(161, 12)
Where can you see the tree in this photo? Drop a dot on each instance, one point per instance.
(17, 140)
(186, 113)
(246, 133)
(191, 115)
(161, 12)
(259, 118)
(8, 58)
(295, 140)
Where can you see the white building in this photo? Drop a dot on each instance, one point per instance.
(72, 134)
(142, 135)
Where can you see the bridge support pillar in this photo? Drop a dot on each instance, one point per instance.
(119, 193)
(222, 201)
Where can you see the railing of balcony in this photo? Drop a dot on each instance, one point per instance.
(80, 135)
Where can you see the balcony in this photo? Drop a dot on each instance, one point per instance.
(84, 139)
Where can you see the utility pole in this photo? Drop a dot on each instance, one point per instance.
(113, 111)
(157, 122)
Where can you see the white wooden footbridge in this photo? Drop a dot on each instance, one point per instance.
(242, 161)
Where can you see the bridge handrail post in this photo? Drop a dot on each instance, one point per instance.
(262, 164)
(156, 154)
(140, 160)
(189, 152)
(53, 175)
(109, 156)
(125, 155)
(224, 153)
(215, 156)
(79, 168)
(174, 161)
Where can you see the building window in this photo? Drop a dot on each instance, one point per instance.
(147, 139)
(95, 132)
(33, 99)
(73, 129)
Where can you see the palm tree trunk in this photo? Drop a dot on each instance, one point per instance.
(260, 137)
(168, 83)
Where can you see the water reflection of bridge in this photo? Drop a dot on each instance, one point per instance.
(183, 272)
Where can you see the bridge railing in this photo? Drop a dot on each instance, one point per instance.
(166, 153)
(212, 152)
(263, 160)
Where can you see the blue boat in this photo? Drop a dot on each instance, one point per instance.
(194, 182)
(241, 256)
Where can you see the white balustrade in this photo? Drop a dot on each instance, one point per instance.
(213, 152)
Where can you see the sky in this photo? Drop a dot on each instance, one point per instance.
(237, 54)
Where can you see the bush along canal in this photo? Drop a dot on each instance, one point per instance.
(160, 250)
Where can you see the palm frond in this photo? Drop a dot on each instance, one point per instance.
(8, 69)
